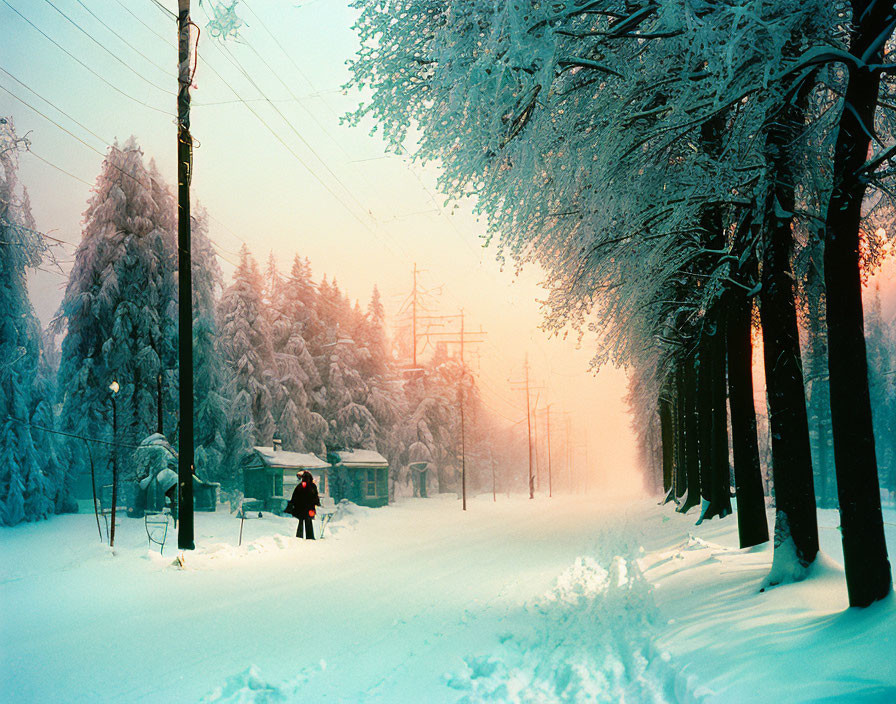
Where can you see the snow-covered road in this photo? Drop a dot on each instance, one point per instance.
(560, 600)
(417, 602)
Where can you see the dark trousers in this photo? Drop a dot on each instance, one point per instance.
(309, 528)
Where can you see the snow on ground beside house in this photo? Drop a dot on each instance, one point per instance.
(552, 600)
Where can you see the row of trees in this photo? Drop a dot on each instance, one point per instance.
(675, 166)
(275, 355)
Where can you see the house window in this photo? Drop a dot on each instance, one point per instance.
(371, 482)
(322, 484)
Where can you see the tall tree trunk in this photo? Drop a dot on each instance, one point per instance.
(868, 576)
(713, 421)
(796, 526)
(667, 436)
(681, 481)
(704, 411)
(691, 457)
(720, 499)
(751, 522)
(819, 397)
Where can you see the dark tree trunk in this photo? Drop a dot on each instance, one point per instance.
(720, 495)
(713, 422)
(751, 522)
(691, 458)
(668, 449)
(680, 477)
(819, 397)
(703, 361)
(868, 576)
(791, 453)
(713, 418)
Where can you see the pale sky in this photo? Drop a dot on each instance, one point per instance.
(360, 215)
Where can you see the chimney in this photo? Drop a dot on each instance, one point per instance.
(278, 444)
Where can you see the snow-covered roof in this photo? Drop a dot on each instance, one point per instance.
(360, 458)
(158, 440)
(290, 460)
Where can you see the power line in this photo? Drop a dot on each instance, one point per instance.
(241, 68)
(51, 104)
(75, 58)
(58, 168)
(71, 435)
(136, 17)
(49, 119)
(279, 138)
(135, 49)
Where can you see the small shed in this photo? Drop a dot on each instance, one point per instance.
(156, 486)
(269, 475)
(361, 476)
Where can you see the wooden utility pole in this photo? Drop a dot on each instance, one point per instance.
(185, 284)
(528, 388)
(537, 471)
(414, 318)
(568, 456)
(463, 449)
(587, 466)
(550, 482)
(529, 427)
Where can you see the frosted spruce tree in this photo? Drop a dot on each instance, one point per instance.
(246, 348)
(116, 308)
(212, 380)
(345, 389)
(30, 476)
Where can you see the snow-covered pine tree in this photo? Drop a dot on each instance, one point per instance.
(246, 347)
(29, 474)
(212, 381)
(344, 390)
(385, 397)
(115, 307)
(299, 425)
(168, 403)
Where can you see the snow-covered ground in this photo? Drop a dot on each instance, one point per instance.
(553, 600)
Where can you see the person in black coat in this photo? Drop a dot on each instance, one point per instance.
(303, 505)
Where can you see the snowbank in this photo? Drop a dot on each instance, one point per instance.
(560, 600)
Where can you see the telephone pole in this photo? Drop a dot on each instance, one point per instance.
(568, 455)
(414, 317)
(528, 387)
(537, 473)
(463, 448)
(185, 284)
(529, 426)
(550, 482)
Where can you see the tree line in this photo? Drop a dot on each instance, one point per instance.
(686, 173)
(276, 354)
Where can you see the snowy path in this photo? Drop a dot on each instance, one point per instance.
(562, 600)
(419, 600)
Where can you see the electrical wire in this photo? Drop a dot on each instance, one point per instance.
(48, 102)
(71, 435)
(153, 31)
(48, 118)
(228, 55)
(75, 58)
(125, 41)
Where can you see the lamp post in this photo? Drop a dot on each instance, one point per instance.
(114, 388)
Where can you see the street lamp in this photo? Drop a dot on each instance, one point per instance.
(114, 388)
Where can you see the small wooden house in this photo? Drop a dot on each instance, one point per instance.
(269, 475)
(361, 476)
